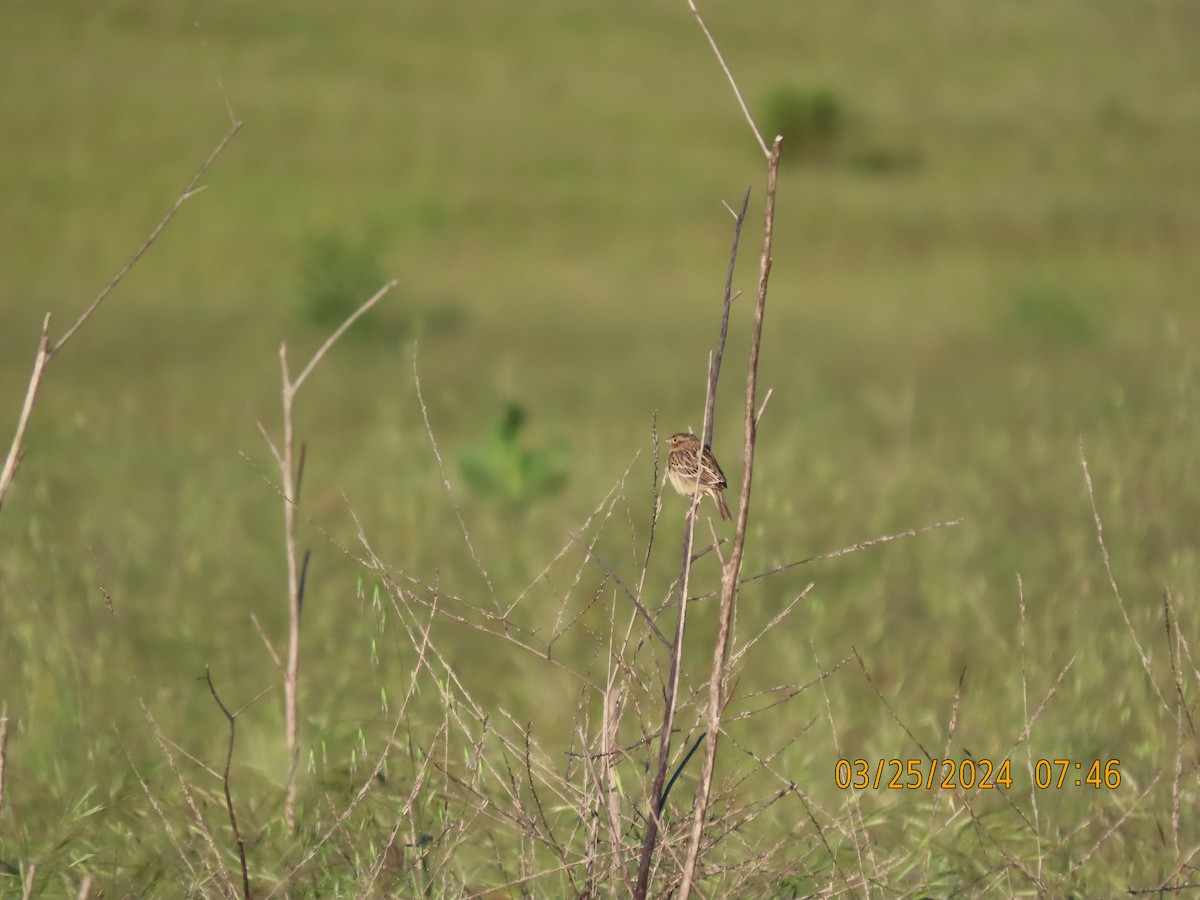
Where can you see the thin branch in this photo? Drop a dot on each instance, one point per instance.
(852, 548)
(46, 351)
(664, 754)
(341, 329)
(762, 409)
(766, 629)
(462, 523)
(188, 192)
(262, 429)
(16, 449)
(656, 505)
(642, 611)
(237, 834)
(727, 304)
(267, 642)
(741, 102)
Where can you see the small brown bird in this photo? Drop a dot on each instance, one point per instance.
(692, 470)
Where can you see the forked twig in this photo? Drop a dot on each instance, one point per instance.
(291, 470)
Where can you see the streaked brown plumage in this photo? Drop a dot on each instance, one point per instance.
(687, 477)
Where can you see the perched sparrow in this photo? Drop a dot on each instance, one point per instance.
(692, 470)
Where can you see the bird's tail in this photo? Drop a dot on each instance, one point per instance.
(724, 510)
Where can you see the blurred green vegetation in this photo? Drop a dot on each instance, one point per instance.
(500, 465)
(337, 274)
(810, 120)
(547, 179)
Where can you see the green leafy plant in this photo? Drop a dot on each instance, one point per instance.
(501, 466)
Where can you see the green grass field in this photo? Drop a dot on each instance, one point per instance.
(984, 267)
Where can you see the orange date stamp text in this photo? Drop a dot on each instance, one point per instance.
(972, 774)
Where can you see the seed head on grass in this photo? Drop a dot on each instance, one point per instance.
(694, 470)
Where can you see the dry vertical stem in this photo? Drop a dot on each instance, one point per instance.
(733, 567)
(290, 472)
(727, 304)
(676, 646)
(676, 654)
(3, 749)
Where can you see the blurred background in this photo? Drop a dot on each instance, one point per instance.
(985, 255)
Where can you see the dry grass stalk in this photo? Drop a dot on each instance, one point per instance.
(214, 860)
(718, 678)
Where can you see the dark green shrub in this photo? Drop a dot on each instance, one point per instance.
(810, 119)
(1050, 316)
(337, 275)
(499, 465)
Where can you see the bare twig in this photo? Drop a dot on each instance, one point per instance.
(237, 834)
(655, 506)
(736, 92)
(766, 629)
(16, 450)
(852, 548)
(46, 350)
(267, 643)
(714, 374)
(193, 187)
(642, 611)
